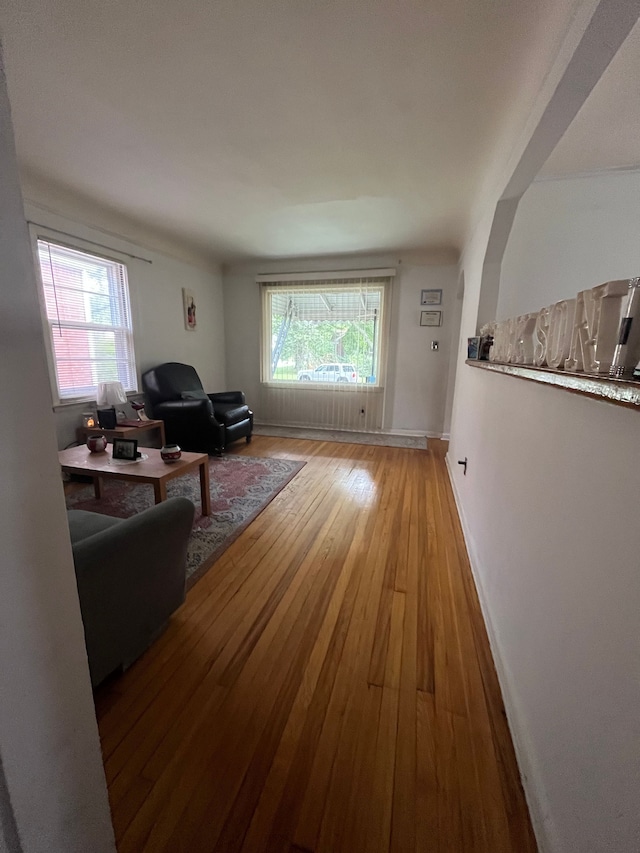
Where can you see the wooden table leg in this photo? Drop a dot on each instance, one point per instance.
(205, 492)
(97, 487)
(160, 491)
(163, 439)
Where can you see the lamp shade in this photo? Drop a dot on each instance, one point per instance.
(110, 394)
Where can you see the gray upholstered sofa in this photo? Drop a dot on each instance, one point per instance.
(131, 578)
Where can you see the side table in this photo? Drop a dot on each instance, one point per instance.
(125, 430)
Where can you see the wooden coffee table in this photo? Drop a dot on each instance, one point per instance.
(100, 466)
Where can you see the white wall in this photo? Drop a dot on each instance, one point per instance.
(570, 235)
(156, 306)
(420, 375)
(457, 347)
(49, 747)
(549, 506)
(416, 389)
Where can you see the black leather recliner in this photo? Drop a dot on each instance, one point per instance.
(204, 423)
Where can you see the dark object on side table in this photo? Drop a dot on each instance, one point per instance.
(204, 423)
(107, 418)
(131, 578)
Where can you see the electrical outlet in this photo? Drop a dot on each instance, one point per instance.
(434, 345)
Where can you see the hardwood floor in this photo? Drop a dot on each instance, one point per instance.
(327, 686)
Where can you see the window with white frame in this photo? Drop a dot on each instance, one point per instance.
(323, 332)
(86, 301)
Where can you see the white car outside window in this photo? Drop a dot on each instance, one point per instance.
(330, 373)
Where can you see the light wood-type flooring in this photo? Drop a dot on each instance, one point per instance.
(327, 686)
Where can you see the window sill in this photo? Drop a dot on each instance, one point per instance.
(342, 387)
(621, 392)
(61, 405)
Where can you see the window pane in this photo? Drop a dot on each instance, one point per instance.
(325, 333)
(87, 304)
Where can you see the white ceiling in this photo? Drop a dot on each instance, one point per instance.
(274, 128)
(605, 134)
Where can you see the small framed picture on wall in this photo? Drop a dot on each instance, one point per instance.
(431, 318)
(189, 306)
(431, 297)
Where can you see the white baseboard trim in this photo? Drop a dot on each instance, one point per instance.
(533, 789)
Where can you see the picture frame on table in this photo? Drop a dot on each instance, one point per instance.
(125, 449)
(431, 297)
(431, 318)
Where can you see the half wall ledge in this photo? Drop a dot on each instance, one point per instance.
(621, 392)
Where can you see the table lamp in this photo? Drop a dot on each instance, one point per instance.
(110, 394)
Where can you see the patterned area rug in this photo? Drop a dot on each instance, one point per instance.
(241, 487)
